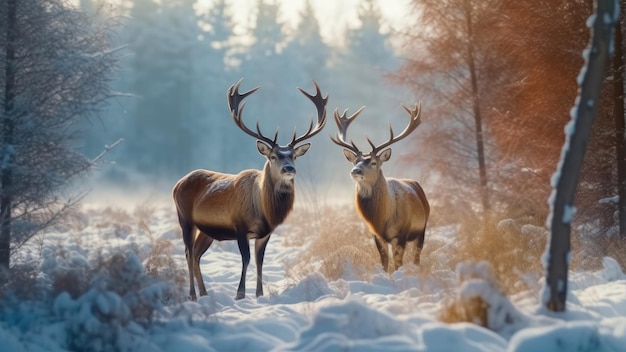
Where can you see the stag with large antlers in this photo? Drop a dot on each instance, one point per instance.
(250, 205)
(395, 210)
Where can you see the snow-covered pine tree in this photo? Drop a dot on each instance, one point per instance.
(56, 63)
(358, 75)
(216, 138)
(164, 41)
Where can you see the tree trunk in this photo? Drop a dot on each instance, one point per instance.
(7, 155)
(480, 144)
(577, 137)
(618, 115)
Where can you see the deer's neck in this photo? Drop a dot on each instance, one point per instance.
(277, 198)
(373, 202)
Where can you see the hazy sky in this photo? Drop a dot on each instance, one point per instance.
(334, 15)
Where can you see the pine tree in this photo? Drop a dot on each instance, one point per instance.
(164, 43)
(56, 63)
(359, 73)
(215, 73)
(308, 50)
(266, 63)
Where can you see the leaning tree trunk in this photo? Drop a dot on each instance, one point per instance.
(577, 135)
(618, 116)
(7, 151)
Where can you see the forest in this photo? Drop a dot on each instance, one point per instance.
(495, 102)
(106, 104)
(179, 62)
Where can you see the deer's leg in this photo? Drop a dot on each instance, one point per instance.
(419, 244)
(383, 250)
(188, 239)
(259, 254)
(244, 249)
(202, 243)
(397, 246)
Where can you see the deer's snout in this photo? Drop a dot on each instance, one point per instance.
(356, 173)
(288, 169)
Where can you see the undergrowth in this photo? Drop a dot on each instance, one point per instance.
(339, 245)
(103, 293)
(335, 240)
(136, 283)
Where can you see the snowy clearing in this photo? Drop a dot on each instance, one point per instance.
(397, 313)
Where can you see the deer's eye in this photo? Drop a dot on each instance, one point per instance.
(373, 163)
(273, 157)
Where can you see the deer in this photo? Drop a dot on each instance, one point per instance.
(395, 210)
(249, 205)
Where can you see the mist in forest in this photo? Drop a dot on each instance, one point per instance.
(179, 61)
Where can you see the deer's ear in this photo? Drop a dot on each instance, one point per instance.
(350, 155)
(263, 148)
(385, 155)
(301, 149)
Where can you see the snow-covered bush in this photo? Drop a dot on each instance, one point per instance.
(121, 299)
(479, 300)
(97, 281)
(20, 281)
(161, 265)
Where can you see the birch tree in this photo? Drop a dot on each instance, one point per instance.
(619, 117)
(565, 179)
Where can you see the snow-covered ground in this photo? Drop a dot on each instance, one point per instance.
(387, 313)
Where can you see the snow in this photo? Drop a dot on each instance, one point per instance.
(609, 200)
(568, 214)
(609, 21)
(397, 312)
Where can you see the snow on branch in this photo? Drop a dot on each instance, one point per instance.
(107, 148)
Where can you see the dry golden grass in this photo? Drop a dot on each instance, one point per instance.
(473, 310)
(465, 305)
(479, 299)
(337, 241)
(514, 248)
(335, 237)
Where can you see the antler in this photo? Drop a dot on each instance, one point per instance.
(320, 105)
(342, 124)
(234, 99)
(413, 123)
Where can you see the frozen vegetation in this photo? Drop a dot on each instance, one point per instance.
(116, 280)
